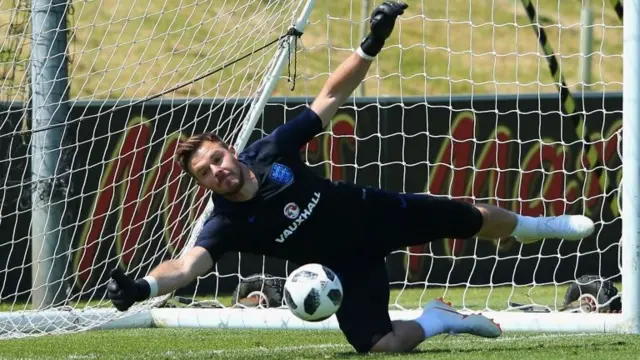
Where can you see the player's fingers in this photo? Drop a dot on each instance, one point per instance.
(120, 277)
(113, 287)
(380, 13)
(391, 8)
(399, 8)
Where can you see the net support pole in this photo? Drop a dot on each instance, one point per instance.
(631, 167)
(269, 82)
(586, 37)
(49, 107)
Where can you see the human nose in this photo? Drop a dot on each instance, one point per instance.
(217, 172)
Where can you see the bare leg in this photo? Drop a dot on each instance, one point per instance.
(437, 318)
(405, 336)
(497, 222)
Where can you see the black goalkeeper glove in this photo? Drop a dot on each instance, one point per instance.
(383, 18)
(124, 292)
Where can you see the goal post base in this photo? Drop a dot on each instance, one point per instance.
(284, 319)
(61, 321)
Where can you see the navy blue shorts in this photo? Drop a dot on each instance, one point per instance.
(392, 221)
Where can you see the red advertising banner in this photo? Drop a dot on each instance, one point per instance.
(129, 207)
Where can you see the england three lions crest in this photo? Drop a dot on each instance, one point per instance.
(281, 174)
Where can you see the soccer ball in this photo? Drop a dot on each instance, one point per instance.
(313, 292)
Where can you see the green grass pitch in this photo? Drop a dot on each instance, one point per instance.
(462, 58)
(309, 344)
(162, 343)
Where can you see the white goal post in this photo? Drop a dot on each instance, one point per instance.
(443, 111)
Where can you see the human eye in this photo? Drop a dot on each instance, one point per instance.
(216, 158)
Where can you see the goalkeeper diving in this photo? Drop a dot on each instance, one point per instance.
(267, 201)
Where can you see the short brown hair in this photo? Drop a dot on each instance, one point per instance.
(187, 148)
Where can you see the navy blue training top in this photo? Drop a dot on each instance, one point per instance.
(296, 214)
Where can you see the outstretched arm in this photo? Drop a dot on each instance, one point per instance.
(352, 71)
(174, 274)
(292, 135)
(339, 87)
(165, 278)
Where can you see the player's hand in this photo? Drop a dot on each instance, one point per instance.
(121, 290)
(383, 19)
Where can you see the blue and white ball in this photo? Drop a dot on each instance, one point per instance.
(313, 292)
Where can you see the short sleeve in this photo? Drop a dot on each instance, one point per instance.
(215, 236)
(295, 133)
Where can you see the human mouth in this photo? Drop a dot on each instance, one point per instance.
(228, 180)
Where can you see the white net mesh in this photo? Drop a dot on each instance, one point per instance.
(461, 102)
(123, 202)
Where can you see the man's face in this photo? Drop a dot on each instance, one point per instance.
(217, 168)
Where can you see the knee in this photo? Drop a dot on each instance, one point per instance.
(476, 221)
(362, 346)
(362, 349)
(391, 347)
(380, 343)
(484, 215)
(406, 335)
(392, 344)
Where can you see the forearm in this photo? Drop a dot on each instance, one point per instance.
(168, 276)
(339, 87)
(174, 274)
(346, 78)
(352, 71)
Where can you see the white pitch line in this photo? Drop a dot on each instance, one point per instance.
(279, 349)
(257, 350)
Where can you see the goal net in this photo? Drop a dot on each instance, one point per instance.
(518, 104)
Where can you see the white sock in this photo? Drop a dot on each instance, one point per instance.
(569, 227)
(526, 227)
